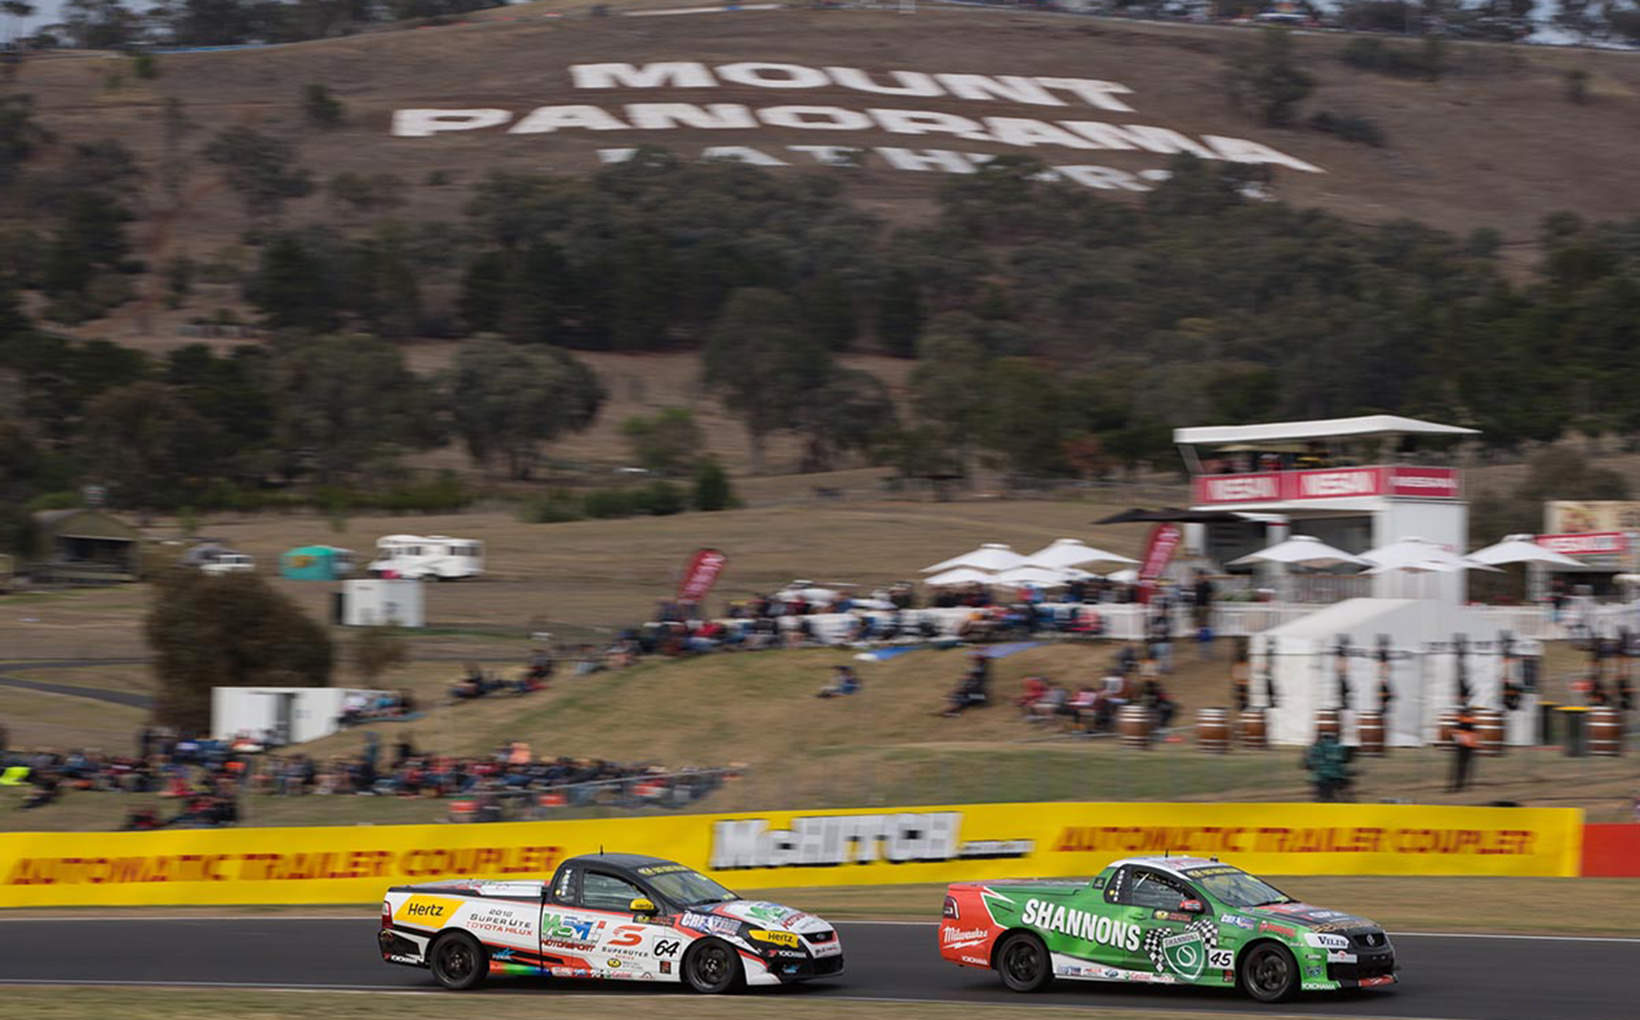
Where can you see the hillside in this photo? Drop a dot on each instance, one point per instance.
(1492, 143)
(887, 745)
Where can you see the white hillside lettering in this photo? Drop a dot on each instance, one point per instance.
(1005, 89)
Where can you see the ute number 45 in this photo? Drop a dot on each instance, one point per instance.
(1221, 959)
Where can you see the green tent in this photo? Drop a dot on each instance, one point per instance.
(316, 563)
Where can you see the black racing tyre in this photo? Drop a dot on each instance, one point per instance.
(712, 967)
(1269, 973)
(458, 961)
(1023, 962)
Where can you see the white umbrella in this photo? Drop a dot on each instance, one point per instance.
(991, 556)
(1412, 550)
(1073, 552)
(1303, 551)
(959, 575)
(1521, 549)
(808, 594)
(1031, 574)
(1433, 566)
(1128, 576)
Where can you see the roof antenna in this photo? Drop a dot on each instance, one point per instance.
(600, 849)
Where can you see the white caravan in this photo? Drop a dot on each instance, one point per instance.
(427, 557)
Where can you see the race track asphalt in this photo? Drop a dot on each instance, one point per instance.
(1444, 976)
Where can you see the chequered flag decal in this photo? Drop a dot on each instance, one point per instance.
(1206, 927)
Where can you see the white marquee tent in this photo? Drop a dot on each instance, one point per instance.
(1424, 668)
(992, 556)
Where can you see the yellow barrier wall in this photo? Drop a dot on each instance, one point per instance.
(788, 848)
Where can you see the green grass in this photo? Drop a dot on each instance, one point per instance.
(883, 747)
(1564, 906)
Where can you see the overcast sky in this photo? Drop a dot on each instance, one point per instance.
(49, 12)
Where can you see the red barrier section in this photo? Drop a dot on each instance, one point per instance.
(1611, 851)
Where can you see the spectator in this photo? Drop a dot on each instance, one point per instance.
(1160, 633)
(1111, 699)
(1241, 675)
(1055, 702)
(1328, 763)
(971, 692)
(1127, 660)
(46, 786)
(1203, 609)
(541, 664)
(471, 685)
(1084, 708)
(1154, 697)
(843, 682)
(1464, 740)
(1035, 688)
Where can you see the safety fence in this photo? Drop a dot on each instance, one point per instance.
(648, 790)
(352, 864)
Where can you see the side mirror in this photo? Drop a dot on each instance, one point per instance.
(1192, 907)
(642, 906)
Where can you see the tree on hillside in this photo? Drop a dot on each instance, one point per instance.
(1023, 417)
(850, 412)
(226, 630)
(88, 247)
(508, 401)
(763, 363)
(344, 407)
(101, 24)
(829, 310)
(295, 286)
(104, 166)
(949, 384)
(667, 443)
(261, 168)
(322, 109)
(899, 313)
(15, 10)
(367, 193)
(212, 22)
(230, 391)
(1267, 78)
(145, 442)
(21, 135)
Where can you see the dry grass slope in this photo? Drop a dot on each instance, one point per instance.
(1493, 143)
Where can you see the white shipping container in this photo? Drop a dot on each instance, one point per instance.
(292, 714)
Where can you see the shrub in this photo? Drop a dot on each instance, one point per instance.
(320, 107)
(1379, 57)
(1350, 127)
(553, 508)
(603, 504)
(1577, 86)
(443, 494)
(661, 499)
(712, 488)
